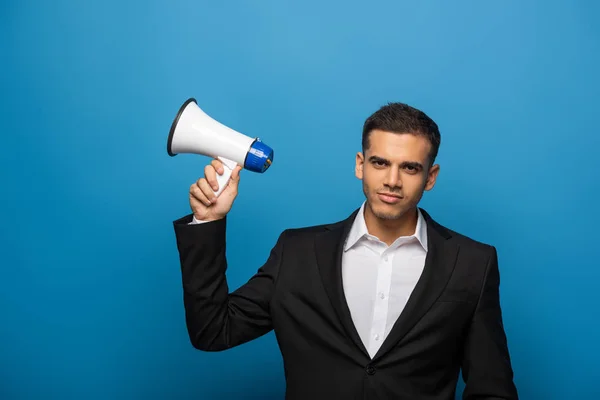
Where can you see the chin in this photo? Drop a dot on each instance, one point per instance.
(387, 212)
(388, 215)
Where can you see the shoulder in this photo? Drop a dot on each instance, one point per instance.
(309, 231)
(313, 231)
(468, 244)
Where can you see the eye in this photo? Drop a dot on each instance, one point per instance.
(412, 169)
(379, 163)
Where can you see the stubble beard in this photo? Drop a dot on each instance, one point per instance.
(388, 216)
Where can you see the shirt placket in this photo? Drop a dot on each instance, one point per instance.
(380, 310)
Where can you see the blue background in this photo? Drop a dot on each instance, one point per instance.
(90, 290)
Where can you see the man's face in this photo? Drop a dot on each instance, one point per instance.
(394, 171)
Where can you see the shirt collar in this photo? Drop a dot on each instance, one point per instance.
(359, 229)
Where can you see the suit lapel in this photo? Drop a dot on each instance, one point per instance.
(439, 264)
(329, 249)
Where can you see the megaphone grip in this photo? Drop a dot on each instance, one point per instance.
(223, 180)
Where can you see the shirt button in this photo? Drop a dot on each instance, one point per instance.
(381, 295)
(385, 258)
(377, 337)
(370, 370)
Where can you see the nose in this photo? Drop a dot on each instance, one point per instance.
(392, 178)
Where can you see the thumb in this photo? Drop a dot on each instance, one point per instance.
(235, 176)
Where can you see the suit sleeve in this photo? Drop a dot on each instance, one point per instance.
(217, 319)
(486, 368)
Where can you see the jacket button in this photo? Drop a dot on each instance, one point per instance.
(370, 370)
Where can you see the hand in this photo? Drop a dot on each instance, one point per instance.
(204, 204)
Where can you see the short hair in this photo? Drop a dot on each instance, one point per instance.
(402, 118)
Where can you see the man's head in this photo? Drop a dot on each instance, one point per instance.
(396, 165)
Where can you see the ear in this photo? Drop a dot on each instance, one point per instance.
(360, 163)
(432, 177)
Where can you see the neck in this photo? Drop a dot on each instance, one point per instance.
(388, 230)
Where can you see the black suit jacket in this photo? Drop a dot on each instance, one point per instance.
(452, 320)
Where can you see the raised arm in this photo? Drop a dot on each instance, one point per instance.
(217, 319)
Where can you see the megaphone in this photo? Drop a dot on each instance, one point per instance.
(193, 131)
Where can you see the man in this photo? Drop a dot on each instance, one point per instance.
(386, 304)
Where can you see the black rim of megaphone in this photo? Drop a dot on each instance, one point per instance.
(174, 124)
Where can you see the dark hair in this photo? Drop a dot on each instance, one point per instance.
(402, 118)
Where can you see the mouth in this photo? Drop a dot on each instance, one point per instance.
(389, 198)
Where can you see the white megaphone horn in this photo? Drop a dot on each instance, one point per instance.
(193, 131)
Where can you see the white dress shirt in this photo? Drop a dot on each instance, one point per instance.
(378, 279)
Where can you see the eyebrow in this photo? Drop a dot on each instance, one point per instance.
(379, 159)
(413, 164)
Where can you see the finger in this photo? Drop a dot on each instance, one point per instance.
(207, 190)
(218, 166)
(197, 193)
(211, 176)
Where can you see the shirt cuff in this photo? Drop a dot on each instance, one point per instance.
(196, 221)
